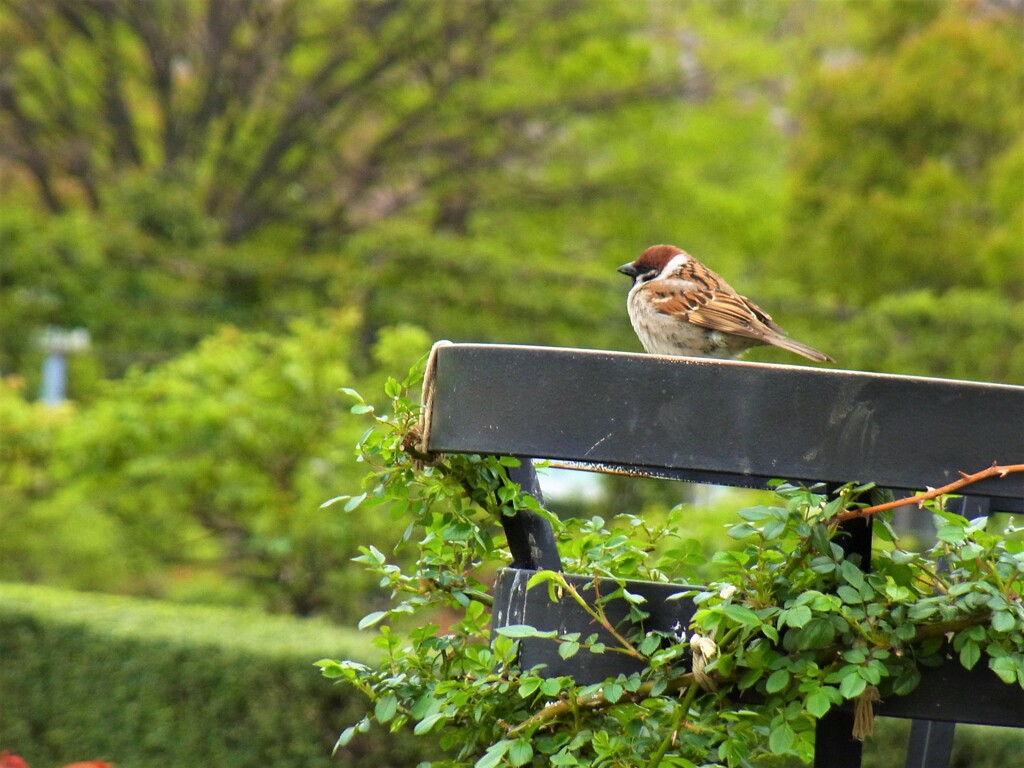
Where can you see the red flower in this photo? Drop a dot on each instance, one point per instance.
(7, 760)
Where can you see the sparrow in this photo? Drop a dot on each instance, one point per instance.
(680, 307)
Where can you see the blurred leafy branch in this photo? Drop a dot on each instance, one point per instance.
(788, 629)
(201, 479)
(479, 169)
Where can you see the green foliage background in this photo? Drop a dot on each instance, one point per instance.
(250, 205)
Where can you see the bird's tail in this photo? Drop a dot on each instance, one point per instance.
(801, 349)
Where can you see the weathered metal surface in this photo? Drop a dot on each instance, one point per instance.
(531, 539)
(931, 744)
(742, 422)
(515, 604)
(951, 693)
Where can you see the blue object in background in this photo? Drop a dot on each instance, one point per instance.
(55, 379)
(58, 343)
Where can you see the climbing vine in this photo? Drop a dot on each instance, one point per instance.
(788, 629)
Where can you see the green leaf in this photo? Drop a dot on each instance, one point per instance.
(633, 599)
(494, 754)
(612, 691)
(345, 738)
(852, 685)
(777, 681)
(818, 703)
(386, 708)
(524, 630)
(650, 644)
(907, 680)
(773, 529)
(1005, 667)
(372, 618)
(884, 531)
(529, 685)
(923, 609)
(748, 678)
(543, 577)
(853, 575)
(799, 616)
(459, 531)
(566, 759)
(818, 633)
(823, 565)
(520, 753)
(906, 631)
(781, 739)
(330, 668)
(354, 502)
(568, 649)
(849, 595)
(961, 588)
(741, 615)
(753, 514)
(952, 534)
(742, 531)
(969, 654)
(427, 723)
(1003, 621)
(551, 687)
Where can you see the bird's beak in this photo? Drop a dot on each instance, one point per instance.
(628, 269)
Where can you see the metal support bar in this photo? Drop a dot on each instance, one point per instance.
(834, 745)
(530, 537)
(931, 744)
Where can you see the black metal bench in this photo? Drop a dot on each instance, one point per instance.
(738, 424)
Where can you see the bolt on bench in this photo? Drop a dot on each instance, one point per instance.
(738, 424)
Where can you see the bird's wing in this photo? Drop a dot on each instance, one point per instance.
(709, 307)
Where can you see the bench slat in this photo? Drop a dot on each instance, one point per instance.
(735, 422)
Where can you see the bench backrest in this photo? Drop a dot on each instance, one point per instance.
(742, 424)
(732, 423)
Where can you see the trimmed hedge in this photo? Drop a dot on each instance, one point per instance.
(143, 683)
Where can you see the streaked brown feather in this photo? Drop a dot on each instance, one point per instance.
(711, 307)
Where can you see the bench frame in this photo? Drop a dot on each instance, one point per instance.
(743, 424)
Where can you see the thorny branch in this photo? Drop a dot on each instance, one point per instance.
(996, 470)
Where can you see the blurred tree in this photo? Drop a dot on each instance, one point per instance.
(907, 198)
(322, 115)
(212, 161)
(203, 478)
